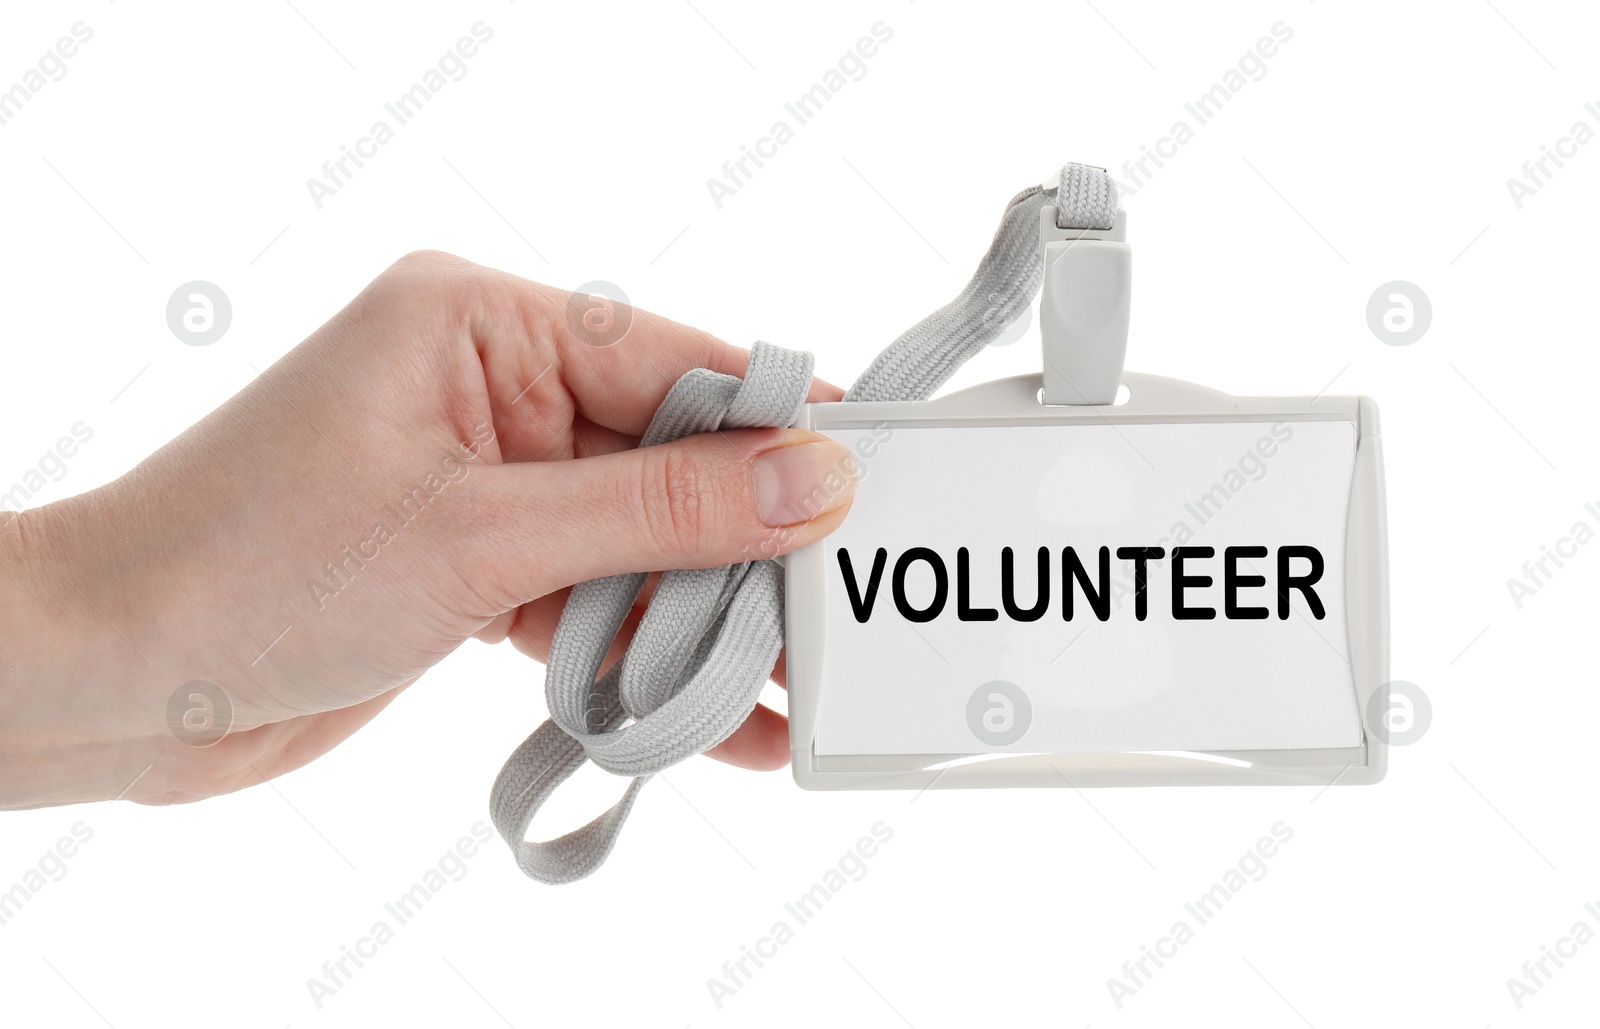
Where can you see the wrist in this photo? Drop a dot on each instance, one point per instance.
(71, 729)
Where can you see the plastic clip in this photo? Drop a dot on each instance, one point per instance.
(1083, 310)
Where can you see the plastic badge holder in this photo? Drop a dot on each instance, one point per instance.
(988, 646)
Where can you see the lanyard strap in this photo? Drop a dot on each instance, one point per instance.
(709, 637)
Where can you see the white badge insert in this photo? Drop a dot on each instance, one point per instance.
(921, 665)
(1160, 683)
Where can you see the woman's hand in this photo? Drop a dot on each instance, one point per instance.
(440, 461)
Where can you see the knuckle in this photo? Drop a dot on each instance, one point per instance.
(426, 262)
(428, 285)
(428, 276)
(682, 501)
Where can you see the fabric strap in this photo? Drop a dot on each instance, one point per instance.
(709, 638)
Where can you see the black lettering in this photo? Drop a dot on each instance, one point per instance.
(862, 608)
(1096, 584)
(1303, 583)
(964, 609)
(1232, 581)
(1008, 588)
(941, 585)
(1181, 581)
(1099, 599)
(1141, 578)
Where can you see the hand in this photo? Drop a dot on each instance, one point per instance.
(439, 461)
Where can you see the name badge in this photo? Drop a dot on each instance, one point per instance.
(1185, 588)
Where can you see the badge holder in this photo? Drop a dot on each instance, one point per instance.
(1040, 586)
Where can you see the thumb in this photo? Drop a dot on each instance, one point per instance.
(707, 500)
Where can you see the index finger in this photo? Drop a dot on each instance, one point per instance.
(536, 345)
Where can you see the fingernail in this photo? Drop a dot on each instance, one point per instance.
(798, 483)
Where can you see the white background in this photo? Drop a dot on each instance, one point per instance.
(1377, 147)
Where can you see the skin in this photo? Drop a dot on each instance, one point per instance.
(192, 564)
